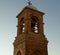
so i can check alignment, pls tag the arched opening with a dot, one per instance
(34, 24)
(18, 53)
(22, 25)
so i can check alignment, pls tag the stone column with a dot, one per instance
(41, 31)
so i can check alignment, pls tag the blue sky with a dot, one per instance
(8, 12)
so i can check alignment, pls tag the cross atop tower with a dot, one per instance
(29, 2)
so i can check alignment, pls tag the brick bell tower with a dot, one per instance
(30, 39)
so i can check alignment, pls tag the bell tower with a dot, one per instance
(30, 39)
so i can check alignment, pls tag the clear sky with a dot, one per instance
(8, 12)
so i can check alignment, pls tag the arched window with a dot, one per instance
(22, 25)
(34, 24)
(18, 53)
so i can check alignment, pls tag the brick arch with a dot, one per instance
(34, 24)
(22, 22)
(18, 53)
